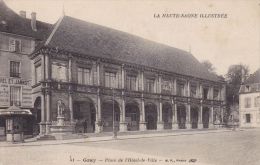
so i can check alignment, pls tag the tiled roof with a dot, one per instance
(253, 78)
(82, 37)
(11, 22)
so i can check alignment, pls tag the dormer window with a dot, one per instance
(247, 89)
(15, 45)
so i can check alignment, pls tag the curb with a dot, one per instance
(108, 138)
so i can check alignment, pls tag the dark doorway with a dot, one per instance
(181, 116)
(151, 117)
(107, 116)
(85, 116)
(167, 115)
(205, 117)
(194, 117)
(132, 117)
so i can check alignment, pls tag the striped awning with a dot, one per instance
(14, 110)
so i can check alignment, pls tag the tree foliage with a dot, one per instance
(234, 78)
(209, 66)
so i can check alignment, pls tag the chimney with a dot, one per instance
(33, 21)
(23, 13)
(243, 77)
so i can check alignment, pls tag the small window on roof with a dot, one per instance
(247, 88)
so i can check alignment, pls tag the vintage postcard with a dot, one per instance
(122, 82)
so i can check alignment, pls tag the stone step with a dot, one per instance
(45, 137)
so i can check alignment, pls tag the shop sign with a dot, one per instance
(8, 80)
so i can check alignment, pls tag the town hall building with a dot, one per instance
(97, 79)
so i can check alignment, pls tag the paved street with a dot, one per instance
(236, 147)
(228, 148)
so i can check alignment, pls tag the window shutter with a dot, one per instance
(12, 45)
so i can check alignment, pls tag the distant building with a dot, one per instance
(18, 38)
(249, 101)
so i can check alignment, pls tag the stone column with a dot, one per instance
(47, 94)
(160, 123)
(222, 114)
(188, 123)
(175, 86)
(211, 120)
(175, 120)
(188, 88)
(142, 123)
(42, 123)
(211, 92)
(200, 91)
(70, 92)
(200, 124)
(48, 109)
(99, 122)
(123, 124)
(47, 67)
(142, 80)
(33, 73)
(160, 84)
(98, 73)
(123, 77)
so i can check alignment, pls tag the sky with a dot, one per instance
(234, 39)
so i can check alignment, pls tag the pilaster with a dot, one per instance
(174, 112)
(142, 123)
(160, 124)
(123, 124)
(200, 124)
(188, 123)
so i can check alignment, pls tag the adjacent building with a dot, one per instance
(18, 38)
(249, 101)
(103, 78)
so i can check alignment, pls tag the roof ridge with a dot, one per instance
(54, 30)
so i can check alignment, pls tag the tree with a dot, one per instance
(234, 78)
(209, 66)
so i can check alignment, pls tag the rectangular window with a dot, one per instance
(205, 93)
(15, 96)
(193, 90)
(166, 86)
(149, 87)
(84, 76)
(131, 83)
(215, 94)
(180, 89)
(14, 45)
(248, 118)
(15, 70)
(257, 101)
(110, 79)
(59, 72)
(38, 74)
(247, 102)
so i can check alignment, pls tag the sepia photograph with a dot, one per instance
(126, 82)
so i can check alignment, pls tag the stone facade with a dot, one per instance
(139, 108)
(249, 101)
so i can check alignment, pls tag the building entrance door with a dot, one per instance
(205, 117)
(181, 116)
(151, 124)
(194, 118)
(151, 116)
